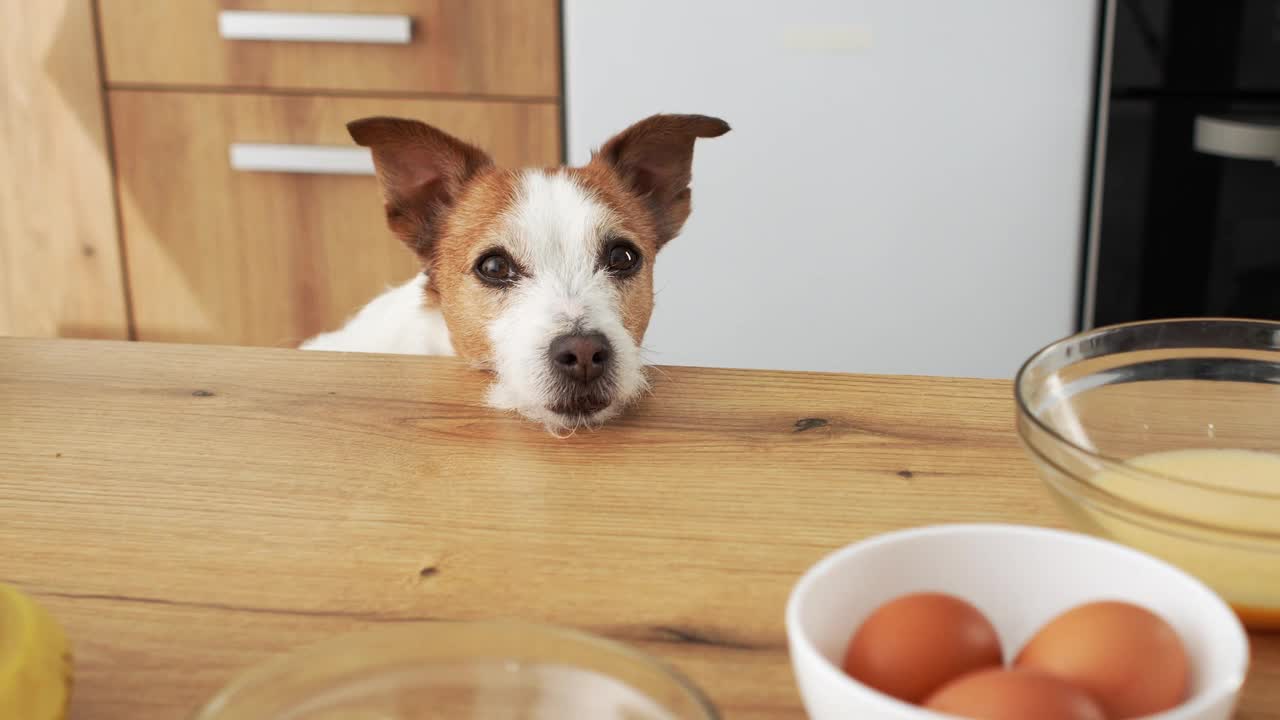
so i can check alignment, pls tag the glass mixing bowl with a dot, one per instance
(1165, 436)
(462, 671)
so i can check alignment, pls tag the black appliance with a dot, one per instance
(1185, 208)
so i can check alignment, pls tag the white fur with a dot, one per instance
(555, 231)
(397, 321)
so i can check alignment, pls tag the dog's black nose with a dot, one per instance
(582, 358)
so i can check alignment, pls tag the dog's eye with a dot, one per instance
(622, 259)
(496, 269)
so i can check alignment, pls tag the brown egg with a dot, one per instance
(914, 644)
(1125, 656)
(999, 694)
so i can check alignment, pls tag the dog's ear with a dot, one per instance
(421, 170)
(654, 158)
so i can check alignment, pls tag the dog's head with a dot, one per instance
(543, 276)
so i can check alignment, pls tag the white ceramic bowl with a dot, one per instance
(1020, 578)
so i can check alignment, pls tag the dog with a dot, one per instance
(542, 276)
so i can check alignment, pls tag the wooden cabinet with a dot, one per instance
(269, 258)
(59, 253)
(484, 47)
(207, 252)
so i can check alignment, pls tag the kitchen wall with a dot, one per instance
(903, 191)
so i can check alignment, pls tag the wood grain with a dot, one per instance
(59, 252)
(220, 256)
(487, 47)
(189, 511)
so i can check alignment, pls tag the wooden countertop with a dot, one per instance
(189, 511)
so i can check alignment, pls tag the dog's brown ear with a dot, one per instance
(421, 170)
(655, 158)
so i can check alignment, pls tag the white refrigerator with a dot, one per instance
(904, 189)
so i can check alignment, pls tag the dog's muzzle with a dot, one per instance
(583, 364)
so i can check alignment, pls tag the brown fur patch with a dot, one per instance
(654, 158)
(421, 170)
(637, 224)
(469, 229)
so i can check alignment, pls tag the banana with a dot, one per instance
(35, 660)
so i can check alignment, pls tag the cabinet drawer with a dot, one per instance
(484, 47)
(217, 255)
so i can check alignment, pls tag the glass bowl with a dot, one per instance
(1165, 436)
(459, 671)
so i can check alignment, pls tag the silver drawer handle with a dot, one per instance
(314, 27)
(1237, 139)
(313, 159)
